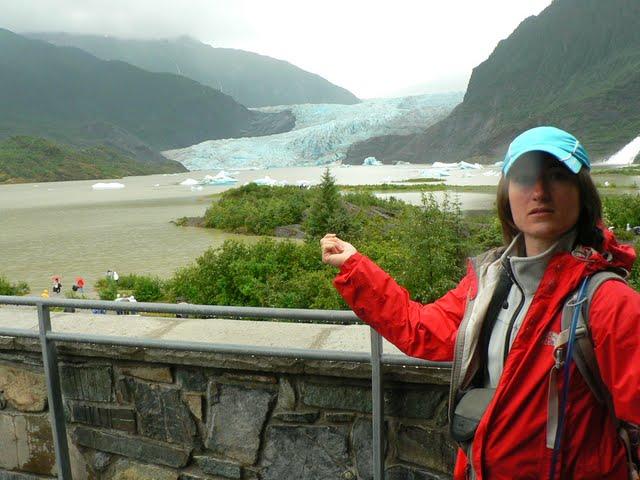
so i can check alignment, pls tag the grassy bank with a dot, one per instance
(31, 159)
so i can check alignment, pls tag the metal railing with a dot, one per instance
(48, 338)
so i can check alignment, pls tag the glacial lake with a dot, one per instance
(70, 229)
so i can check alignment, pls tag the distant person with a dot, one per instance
(57, 285)
(45, 293)
(181, 301)
(520, 407)
(120, 298)
(79, 285)
(132, 299)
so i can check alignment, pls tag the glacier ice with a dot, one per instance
(271, 182)
(372, 161)
(443, 165)
(221, 178)
(322, 134)
(189, 182)
(467, 166)
(107, 186)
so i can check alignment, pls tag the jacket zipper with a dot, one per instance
(512, 321)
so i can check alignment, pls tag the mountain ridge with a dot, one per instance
(254, 80)
(62, 93)
(576, 65)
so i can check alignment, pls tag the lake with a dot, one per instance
(69, 229)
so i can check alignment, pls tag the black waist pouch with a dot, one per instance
(468, 412)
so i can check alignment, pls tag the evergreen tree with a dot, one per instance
(327, 213)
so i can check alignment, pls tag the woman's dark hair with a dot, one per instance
(589, 220)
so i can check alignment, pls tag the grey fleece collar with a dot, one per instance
(528, 271)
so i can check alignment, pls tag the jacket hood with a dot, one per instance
(614, 255)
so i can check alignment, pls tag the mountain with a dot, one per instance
(576, 65)
(30, 159)
(70, 96)
(251, 79)
(322, 135)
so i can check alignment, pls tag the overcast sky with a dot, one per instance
(373, 48)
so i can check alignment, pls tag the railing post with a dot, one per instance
(377, 404)
(54, 392)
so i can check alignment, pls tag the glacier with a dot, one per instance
(322, 134)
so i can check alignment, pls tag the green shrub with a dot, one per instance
(143, 288)
(257, 209)
(485, 232)
(620, 210)
(436, 249)
(8, 288)
(107, 288)
(269, 273)
(284, 274)
(148, 289)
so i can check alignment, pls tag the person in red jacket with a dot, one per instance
(551, 218)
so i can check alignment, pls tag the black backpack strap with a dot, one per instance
(500, 294)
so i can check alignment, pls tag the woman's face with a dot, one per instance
(545, 201)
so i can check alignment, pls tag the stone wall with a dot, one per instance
(136, 413)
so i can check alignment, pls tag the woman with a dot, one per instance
(510, 305)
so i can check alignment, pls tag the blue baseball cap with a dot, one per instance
(562, 145)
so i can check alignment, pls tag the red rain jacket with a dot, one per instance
(510, 441)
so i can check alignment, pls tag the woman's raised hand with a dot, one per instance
(334, 250)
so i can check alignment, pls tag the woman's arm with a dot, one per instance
(424, 331)
(614, 319)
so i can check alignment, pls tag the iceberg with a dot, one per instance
(222, 178)
(266, 180)
(462, 165)
(107, 186)
(443, 165)
(372, 161)
(433, 173)
(189, 182)
(468, 166)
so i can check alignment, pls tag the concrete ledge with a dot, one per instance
(323, 337)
